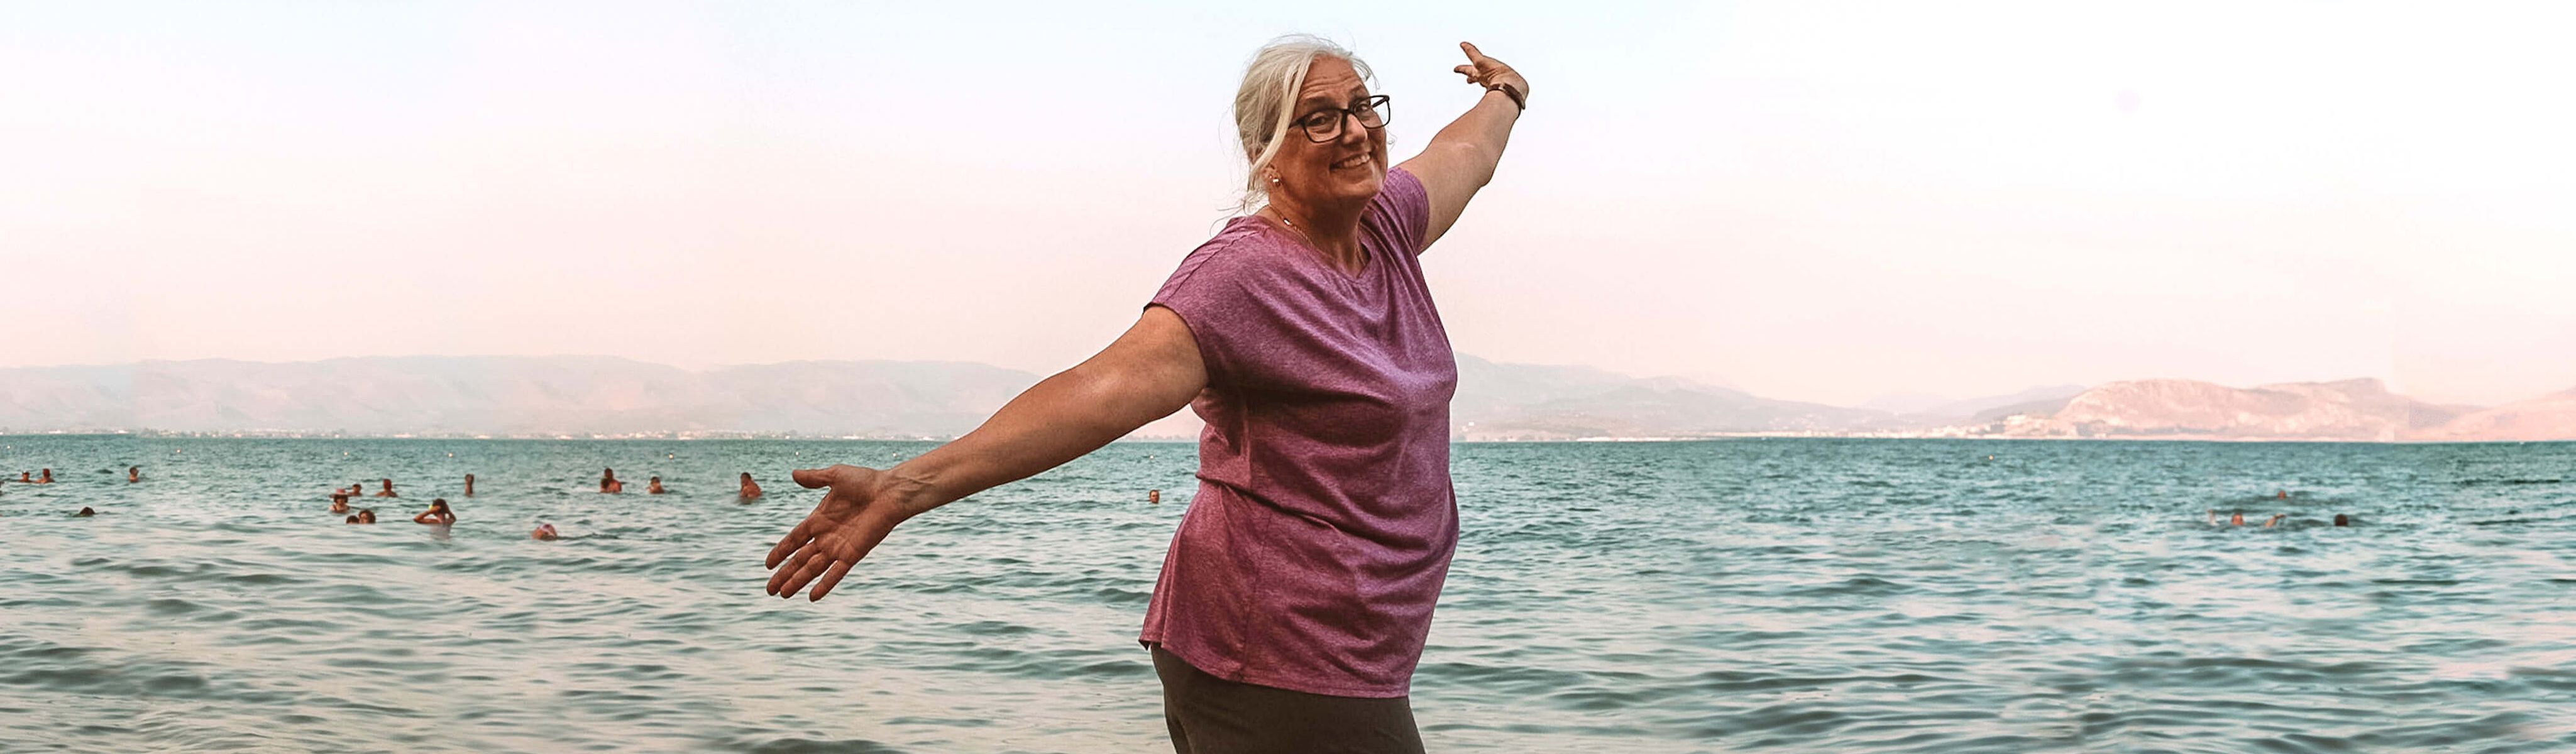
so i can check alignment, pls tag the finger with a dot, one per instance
(805, 574)
(812, 479)
(1468, 71)
(781, 577)
(831, 577)
(796, 538)
(1472, 52)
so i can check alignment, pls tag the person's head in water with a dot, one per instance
(653, 486)
(85, 511)
(364, 516)
(437, 513)
(545, 532)
(2341, 521)
(133, 474)
(46, 478)
(749, 488)
(339, 503)
(2281, 495)
(2236, 520)
(1154, 497)
(469, 485)
(388, 490)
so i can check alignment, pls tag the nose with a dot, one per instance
(1353, 132)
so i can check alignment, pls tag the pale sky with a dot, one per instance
(1805, 200)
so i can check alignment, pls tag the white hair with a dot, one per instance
(1265, 104)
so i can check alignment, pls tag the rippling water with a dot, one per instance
(1788, 595)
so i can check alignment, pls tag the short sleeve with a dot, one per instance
(1242, 308)
(1401, 213)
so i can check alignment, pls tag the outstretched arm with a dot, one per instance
(1150, 372)
(1461, 158)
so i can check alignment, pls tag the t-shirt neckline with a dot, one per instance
(1368, 260)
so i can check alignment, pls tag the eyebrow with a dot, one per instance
(1357, 94)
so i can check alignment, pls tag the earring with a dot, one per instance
(1274, 179)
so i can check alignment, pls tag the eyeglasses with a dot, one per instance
(1326, 124)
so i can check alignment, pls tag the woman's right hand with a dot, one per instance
(860, 508)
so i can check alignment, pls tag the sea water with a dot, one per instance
(1734, 595)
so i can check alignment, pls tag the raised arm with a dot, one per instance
(1150, 372)
(1461, 158)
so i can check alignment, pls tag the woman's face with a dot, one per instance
(1349, 169)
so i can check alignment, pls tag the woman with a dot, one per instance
(1305, 336)
(363, 516)
(339, 503)
(437, 513)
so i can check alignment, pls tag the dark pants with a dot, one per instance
(1211, 715)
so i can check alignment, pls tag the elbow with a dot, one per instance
(1480, 161)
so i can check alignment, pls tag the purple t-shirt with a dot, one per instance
(1324, 520)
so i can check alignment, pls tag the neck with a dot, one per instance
(1335, 233)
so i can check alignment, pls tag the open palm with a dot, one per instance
(856, 513)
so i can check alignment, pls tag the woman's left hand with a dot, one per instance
(1488, 72)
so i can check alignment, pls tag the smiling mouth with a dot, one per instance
(1353, 161)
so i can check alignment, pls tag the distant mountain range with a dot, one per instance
(2350, 410)
(585, 396)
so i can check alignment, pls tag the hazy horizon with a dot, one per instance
(1821, 202)
(1895, 403)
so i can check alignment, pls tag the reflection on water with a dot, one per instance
(1791, 595)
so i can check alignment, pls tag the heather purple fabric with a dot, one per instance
(1324, 520)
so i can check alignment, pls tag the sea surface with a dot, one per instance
(1785, 595)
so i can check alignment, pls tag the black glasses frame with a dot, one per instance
(1376, 105)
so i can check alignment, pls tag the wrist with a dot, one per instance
(911, 491)
(1520, 100)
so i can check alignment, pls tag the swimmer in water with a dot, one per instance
(750, 489)
(1154, 497)
(364, 516)
(608, 482)
(339, 503)
(388, 491)
(437, 513)
(469, 485)
(2238, 518)
(2281, 495)
(545, 532)
(45, 478)
(85, 512)
(2341, 521)
(26, 477)
(653, 486)
(133, 474)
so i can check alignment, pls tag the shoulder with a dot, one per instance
(1401, 213)
(1403, 187)
(1244, 255)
